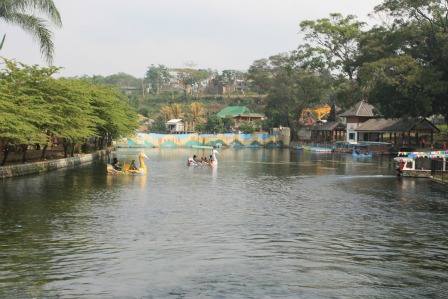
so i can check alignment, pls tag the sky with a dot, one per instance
(105, 37)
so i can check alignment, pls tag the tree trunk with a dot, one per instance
(42, 157)
(24, 150)
(65, 146)
(5, 154)
(72, 151)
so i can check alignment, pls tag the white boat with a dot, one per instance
(212, 162)
(417, 164)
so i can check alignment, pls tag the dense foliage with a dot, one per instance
(35, 108)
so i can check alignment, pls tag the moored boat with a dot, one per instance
(374, 147)
(343, 147)
(417, 164)
(316, 149)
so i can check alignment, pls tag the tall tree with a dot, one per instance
(290, 88)
(167, 113)
(191, 79)
(177, 111)
(197, 112)
(20, 12)
(172, 111)
(413, 30)
(335, 39)
(158, 77)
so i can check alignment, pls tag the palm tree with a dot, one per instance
(197, 112)
(17, 12)
(166, 112)
(177, 111)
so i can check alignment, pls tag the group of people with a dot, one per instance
(117, 166)
(202, 160)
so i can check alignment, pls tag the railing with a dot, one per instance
(439, 169)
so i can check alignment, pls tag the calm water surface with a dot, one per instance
(267, 223)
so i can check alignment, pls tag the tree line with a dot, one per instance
(399, 65)
(37, 109)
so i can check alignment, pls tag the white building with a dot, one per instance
(176, 125)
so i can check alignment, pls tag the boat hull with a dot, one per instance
(414, 173)
(362, 155)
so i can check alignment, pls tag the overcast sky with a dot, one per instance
(105, 37)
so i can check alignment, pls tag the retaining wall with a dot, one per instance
(41, 166)
(188, 140)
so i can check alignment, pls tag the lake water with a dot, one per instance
(266, 223)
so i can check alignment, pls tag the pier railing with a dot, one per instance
(439, 169)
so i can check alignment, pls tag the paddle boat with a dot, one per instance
(212, 162)
(417, 164)
(126, 169)
(361, 153)
(342, 147)
(315, 149)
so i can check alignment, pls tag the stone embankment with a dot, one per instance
(41, 166)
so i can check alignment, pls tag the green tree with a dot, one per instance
(335, 40)
(200, 127)
(229, 123)
(399, 87)
(227, 78)
(158, 77)
(412, 46)
(290, 88)
(35, 106)
(191, 79)
(215, 124)
(17, 12)
(110, 106)
(159, 126)
(247, 128)
(122, 79)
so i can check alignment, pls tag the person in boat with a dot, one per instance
(116, 164)
(133, 166)
(193, 159)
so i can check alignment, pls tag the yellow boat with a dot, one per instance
(126, 169)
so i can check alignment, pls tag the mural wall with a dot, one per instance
(188, 140)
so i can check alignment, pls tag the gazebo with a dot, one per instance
(328, 132)
(396, 131)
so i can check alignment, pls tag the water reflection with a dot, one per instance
(264, 223)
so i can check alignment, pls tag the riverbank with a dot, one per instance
(14, 170)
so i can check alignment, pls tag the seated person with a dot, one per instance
(193, 159)
(133, 166)
(116, 164)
